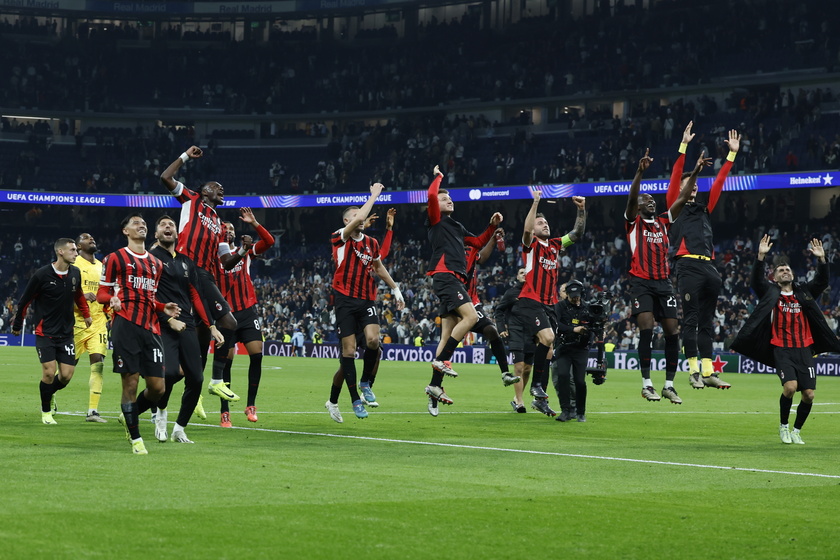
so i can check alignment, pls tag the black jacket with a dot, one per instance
(504, 307)
(753, 340)
(570, 316)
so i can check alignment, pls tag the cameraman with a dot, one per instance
(571, 353)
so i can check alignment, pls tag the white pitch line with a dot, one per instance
(524, 451)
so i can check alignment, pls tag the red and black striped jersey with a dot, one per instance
(236, 284)
(790, 328)
(199, 229)
(54, 294)
(542, 267)
(353, 261)
(649, 246)
(137, 278)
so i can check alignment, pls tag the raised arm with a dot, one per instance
(434, 204)
(820, 281)
(266, 239)
(677, 169)
(385, 249)
(531, 218)
(580, 222)
(167, 177)
(632, 209)
(487, 250)
(487, 235)
(758, 280)
(685, 193)
(362, 214)
(734, 142)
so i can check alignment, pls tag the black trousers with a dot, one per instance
(567, 371)
(698, 283)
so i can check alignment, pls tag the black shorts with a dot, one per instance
(796, 364)
(532, 317)
(136, 350)
(483, 321)
(451, 292)
(353, 315)
(653, 296)
(61, 350)
(181, 349)
(247, 325)
(209, 292)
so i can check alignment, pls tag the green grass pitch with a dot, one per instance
(708, 479)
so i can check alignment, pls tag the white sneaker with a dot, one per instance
(180, 437)
(784, 433)
(160, 425)
(334, 412)
(433, 406)
(796, 438)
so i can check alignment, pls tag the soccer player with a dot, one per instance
(93, 340)
(200, 237)
(535, 309)
(448, 269)
(366, 384)
(181, 353)
(484, 326)
(512, 330)
(238, 288)
(129, 281)
(785, 330)
(356, 256)
(53, 289)
(650, 286)
(698, 280)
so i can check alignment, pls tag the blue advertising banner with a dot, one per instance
(736, 183)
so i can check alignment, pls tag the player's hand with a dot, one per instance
(115, 304)
(90, 296)
(536, 193)
(370, 220)
(496, 219)
(504, 334)
(500, 232)
(437, 171)
(400, 302)
(389, 218)
(646, 160)
(688, 136)
(817, 248)
(218, 337)
(172, 309)
(580, 201)
(88, 322)
(247, 242)
(703, 161)
(734, 141)
(764, 245)
(194, 152)
(376, 189)
(247, 216)
(176, 325)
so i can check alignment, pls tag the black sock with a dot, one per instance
(46, 391)
(802, 412)
(57, 385)
(672, 355)
(143, 403)
(370, 358)
(498, 348)
(376, 367)
(448, 350)
(784, 408)
(219, 364)
(224, 406)
(539, 375)
(437, 378)
(335, 391)
(349, 367)
(163, 402)
(254, 376)
(131, 416)
(645, 336)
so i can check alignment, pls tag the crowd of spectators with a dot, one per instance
(629, 49)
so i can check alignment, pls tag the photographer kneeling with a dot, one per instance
(575, 326)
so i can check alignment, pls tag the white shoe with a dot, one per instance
(784, 434)
(180, 437)
(334, 412)
(160, 425)
(796, 438)
(433, 407)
